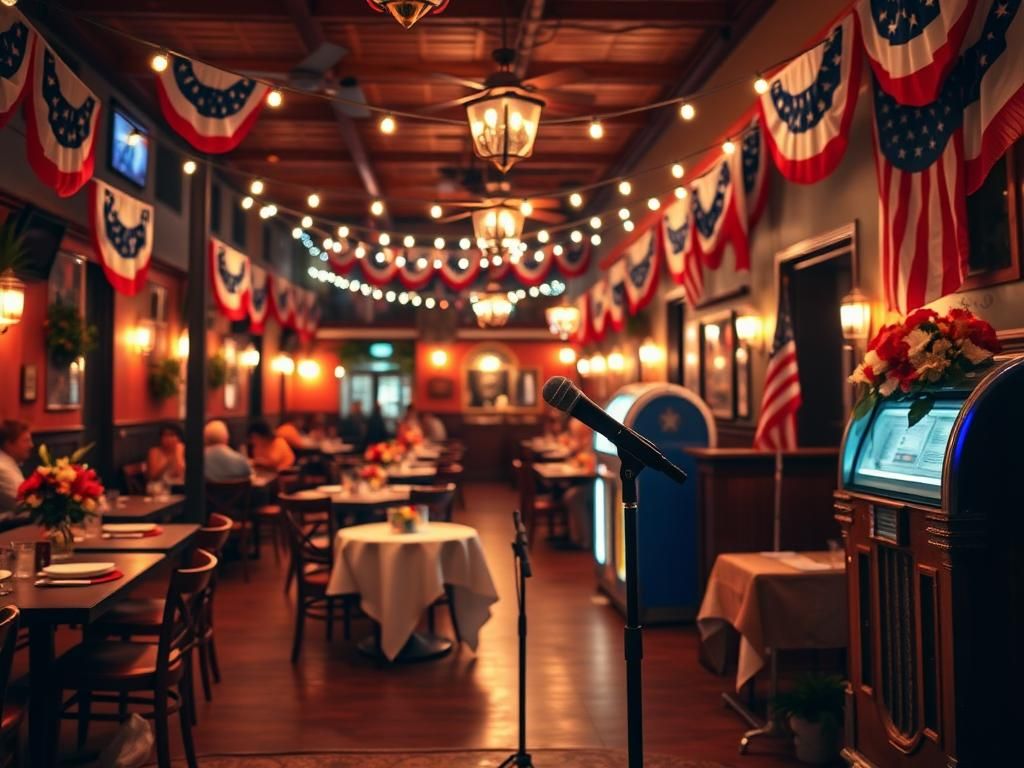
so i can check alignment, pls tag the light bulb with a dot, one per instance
(761, 85)
(256, 187)
(384, 239)
(313, 201)
(595, 239)
(625, 187)
(430, 302)
(576, 200)
(538, 256)
(435, 211)
(463, 263)
(158, 63)
(438, 264)
(526, 208)
(247, 202)
(595, 222)
(337, 246)
(409, 241)
(678, 171)
(360, 251)
(687, 111)
(557, 249)
(465, 243)
(653, 203)
(274, 98)
(439, 243)
(728, 147)
(576, 236)
(628, 225)
(388, 125)
(342, 231)
(680, 193)
(596, 130)
(189, 167)
(307, 222)
(377, 207)
(328, 243)
(543, 236)
(297, 233)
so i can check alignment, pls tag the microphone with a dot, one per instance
(562, 394)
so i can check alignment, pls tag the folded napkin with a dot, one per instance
(50, 582)
(135, 534)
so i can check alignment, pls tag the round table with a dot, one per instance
(398, 576)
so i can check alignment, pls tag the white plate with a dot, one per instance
(128, 527)
(78, 570)
(329, 488)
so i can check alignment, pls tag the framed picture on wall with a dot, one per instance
(64, 374)
(718, 364)
(29, 383)
(526, 387)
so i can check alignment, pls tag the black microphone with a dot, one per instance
(562, 394)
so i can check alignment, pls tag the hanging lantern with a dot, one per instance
(503, 122)
(855, 316)
(498, 229)
(563, 320)
(408, 12)
(493, 308)
(12, 299)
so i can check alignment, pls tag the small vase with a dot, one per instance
(62, 543)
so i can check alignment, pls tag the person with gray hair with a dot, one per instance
(223, 463)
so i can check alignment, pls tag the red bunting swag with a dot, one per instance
(809, 106)
(211, 109)
(574, 258)
(529, 271)
(379, 267)
(680, 254)
(231, 280)
(458, 271)
(418, 268)
(719, 214)
(122, 234)
(642, 265)
(61, 116)
(281, 302)
(259, 299)
(17, 38)
(912, 45)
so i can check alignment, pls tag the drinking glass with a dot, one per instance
(93, 524)
(113, 498)
(6, 569)
(24, 559)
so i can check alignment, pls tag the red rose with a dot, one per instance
(31, 483)
(919, 317)
(889, 344)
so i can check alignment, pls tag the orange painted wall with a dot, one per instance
(541, 355)
(320, 394)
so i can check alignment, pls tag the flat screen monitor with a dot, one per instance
(906, 461)
(129, 147)
(617, 409)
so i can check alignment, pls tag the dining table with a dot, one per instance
(170, 539)
(361, 503)
(399, 576)
(554, 472)
(139, 509)
(43, 609)
(411, 474)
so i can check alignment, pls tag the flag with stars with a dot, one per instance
(282, 301)
(261, 283)
(912, 45)
(231, 278)
(211, 109)
(809, 106)
(17, 38)
(922, 165)
(641, 264)
(719, 213)
(598, 309)
(680, 256)
(572, 259)
(754, 161)
(122, 235)
(309, 316)
(61, 117)
(780, 402)
(616, 296)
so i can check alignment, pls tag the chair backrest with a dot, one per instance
(437, 498)
(9, 619)
(183, 609)
(134, 478)
(305, 503)
(214, 535)
(230, 498)
(450, 472)
(304, 551)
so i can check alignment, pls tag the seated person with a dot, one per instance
(222, 462)
(353, 426)
(166, 460)
(433, 428)
(579, 499)
(289, 432)
(268, 450)
(376, 429)
(315, 427)
(15, 450)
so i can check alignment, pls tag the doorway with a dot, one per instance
(819, 273)
(392, 390)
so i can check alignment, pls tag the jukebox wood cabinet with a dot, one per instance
(932, 520)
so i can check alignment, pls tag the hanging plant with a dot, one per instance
(68, 337)
(12, 247)
(164, 378)
(216, 371)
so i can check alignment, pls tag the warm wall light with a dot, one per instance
(855, 316)
(488, 363)
(583, 366)
(439, 358)
(598, 365)
(567, 355)
(616, 361)
(749, 329)
(339, 371)
(250, 357)
(309, 368)
(142, 338)
(12, 299)
(182, 345)
(283, 364)
(650, 353)
(563, 320)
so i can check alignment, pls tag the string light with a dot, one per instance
(558, 250)
(728, 147)
(687, 111)
(653, 203)
(628, 225)
(343, 232)
(297, 233)
(437, 264)
(268, 211)
(526, 208)
(409, 241)
(435, 211)
(360, 251)
(377, 207)
(247, 202)
(256, 187)
(379, 257)
(400, 261)
(275, 99)
(313, 201)
(576, 236)
(484, 263)
(384, 239)
(761, 85)
(538, 256)
(463, 263)
(430, 302)
(576, 200)
(595, 239)
(595, 222)
(387, 125)
(625, 188)
(596, 130)
(337, 247)
(328, 243)
(439, 243)
(189, 167)
(159, 62)
(465, 243)
(680, 193)
(307, 222)
(543, 236)
(678, 171)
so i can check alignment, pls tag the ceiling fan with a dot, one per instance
(314, 74)
(491, 187)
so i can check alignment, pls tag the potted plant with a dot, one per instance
(814, 710)
(68, 337)
(59, 494)
(216, 371)
(164, 378)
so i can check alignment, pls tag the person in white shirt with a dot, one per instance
(433, 428)
(222, 463)
(15, 449)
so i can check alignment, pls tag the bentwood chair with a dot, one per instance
(533, 504)
(438, 501)
(158, 676)
(233, 499)
(452, 472)
(312, 509)
(11, 713)
(134, 478)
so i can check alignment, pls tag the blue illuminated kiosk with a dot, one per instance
(673, 418)
(933, 521)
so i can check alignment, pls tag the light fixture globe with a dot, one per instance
(855, 316)
(497, 229)
(563, 320)
(408, 12)
(12, 299)
(492, 308)
(503, 124)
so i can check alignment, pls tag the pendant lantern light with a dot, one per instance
(408, 12)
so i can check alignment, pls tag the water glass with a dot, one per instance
(113, 498)
(6, 570)
(93, 524)
(24, 559)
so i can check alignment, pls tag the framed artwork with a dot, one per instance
(526, 388)
(490, 379)
(231, 376)
(29, 383)
(440, 388)
(64, 378)
(718, 364)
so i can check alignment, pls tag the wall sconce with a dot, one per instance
(488, 363)
(143, 338)
(598, 365)
(439, 358)
(250, 357)
(339, 371)
(308, 368)
(583, 366)
(12, 299)
(181, 346)
(650, 353)
(855, 316)
(567, 355)
(616, 361)
(283, 364)
(750, 329)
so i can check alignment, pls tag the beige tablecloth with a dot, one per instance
(774, 600)
(398, 576)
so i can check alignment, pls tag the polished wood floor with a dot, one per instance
(337, 699)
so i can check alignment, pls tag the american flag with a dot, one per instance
(776, 427)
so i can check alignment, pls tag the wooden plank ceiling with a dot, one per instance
(631, 51)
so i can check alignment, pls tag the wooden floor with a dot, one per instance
(337, 699)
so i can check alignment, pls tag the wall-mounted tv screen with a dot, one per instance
(129, 147)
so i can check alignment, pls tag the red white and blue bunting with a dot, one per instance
(681, 257)
(809, 106)
(573, 259)
(122, 234)
(529, 271)
(719, 213)
(912, 45)
(282, 303)
(641, 263)
(598, 309)
(380, 272)
(17, 38)
(418, 269)
(259, 298)
(211, 109)
(756, 173)
(61, 117)
(231, 279)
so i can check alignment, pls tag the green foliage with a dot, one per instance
(814, 698)
(12, 246)
(216, 371)
(164, 378)
(865, 403)
(920, 408)
(68, 337)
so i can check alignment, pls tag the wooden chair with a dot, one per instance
(11, 713)
(232, 499)
(436, 498)
(107, 671)
(533, 504)
(313, 511)
(452, 472)
(135, 478)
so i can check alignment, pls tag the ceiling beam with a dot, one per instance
(321, 156)
(533, 12)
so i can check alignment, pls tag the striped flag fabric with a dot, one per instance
(776, 426)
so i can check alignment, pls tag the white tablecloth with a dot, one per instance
(398, 576)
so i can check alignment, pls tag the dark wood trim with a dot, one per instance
(1014, 159)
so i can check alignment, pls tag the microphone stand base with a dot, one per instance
(518, 760)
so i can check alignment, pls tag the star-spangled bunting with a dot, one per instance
(17, 38)
(230, 278)
(680, 255)
(281, 296)
(809, 106)
(122, 236)
(719, 213)
(259, 298)
(754, 161)
(616, 296)
(641, 264)
(598, 309)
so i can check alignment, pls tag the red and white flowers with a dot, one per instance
(927, 350)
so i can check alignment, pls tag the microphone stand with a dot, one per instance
(521, 550)
(634, 640)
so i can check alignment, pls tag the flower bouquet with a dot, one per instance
(908, 360)
(381, 453)
(59, 494)
(404, 519)
(375, 475)
(410, 437)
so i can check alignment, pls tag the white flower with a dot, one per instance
(888, 386)
(878, 365)
(932, 367)
(973, 352)
(918, 341)
(858, 376)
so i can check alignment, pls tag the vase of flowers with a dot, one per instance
(58, 494)
(405, 519)
(410, 437)
(374, 475)
(382, 453)
(908, 361)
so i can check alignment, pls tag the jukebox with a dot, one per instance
(932, 517)
(673, 418)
